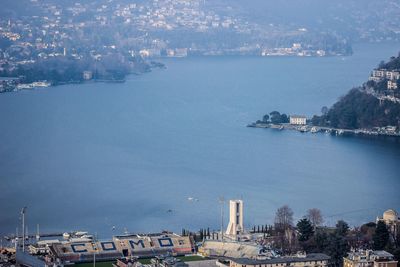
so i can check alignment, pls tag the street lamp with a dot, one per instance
(222, 201)
(23, 211)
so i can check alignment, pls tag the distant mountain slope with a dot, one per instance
(370, 20)
(373, 20)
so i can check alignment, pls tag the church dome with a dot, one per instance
(390, 215)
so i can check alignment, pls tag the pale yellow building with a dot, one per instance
(369, 258)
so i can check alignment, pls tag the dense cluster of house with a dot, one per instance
(392, 77)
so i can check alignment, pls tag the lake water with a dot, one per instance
(99, 155)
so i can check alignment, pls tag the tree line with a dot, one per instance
(274, 117)
(357, 110)
(67, 69)
(309, 235)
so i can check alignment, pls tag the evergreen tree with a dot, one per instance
(337, 248)
(381, 236)
(321, 241)
(305, 229)
(342, 228)
(265, 118)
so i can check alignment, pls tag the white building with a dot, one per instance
(306, 260)
(392, 75)
(235, 226)
(87, 75)
(391, 85)
(374, 78)
(379, 73)
(298, 120)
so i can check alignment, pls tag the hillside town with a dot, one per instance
(136, 27)
(55, 42)
(385, 84)
(372, 109)
(308, 243)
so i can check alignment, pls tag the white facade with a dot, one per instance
(298, 120)
(87, 75)
(380, 74)
(392, 75)
(235, 226)
(391, 85)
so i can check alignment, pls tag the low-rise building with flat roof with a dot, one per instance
(369, 258)
(303, 260)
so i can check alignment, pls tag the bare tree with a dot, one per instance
(283, 218)
(315, 217)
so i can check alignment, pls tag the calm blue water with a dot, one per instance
(99, 155)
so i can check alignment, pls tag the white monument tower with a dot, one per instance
(235, 226)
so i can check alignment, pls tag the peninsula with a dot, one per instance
(370, 109)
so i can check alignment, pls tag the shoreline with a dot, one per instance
(327, 130)
(29, 87)
(15, 84)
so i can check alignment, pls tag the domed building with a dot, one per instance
(392, 221)
(390, 216)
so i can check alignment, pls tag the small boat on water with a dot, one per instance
(314, 129)
(303, 129)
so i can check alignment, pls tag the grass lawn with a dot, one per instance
(144, 261)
